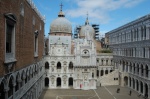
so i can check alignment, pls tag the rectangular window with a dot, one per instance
(9, 33)
(36, 43)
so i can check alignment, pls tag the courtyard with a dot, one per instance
(104, 92)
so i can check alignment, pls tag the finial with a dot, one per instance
(87, 15)
(61, 14)
(87, 21)
(61, 5)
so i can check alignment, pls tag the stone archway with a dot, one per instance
(58, 65)
(141, 87)
(2, 93)
(58, 82)
(137, 85)
(106, 72)
(46, 82)
(46, 65)
(102, 72)
(70, 81)
(146, 90)
(125, 81)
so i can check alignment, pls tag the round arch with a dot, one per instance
(70, 81)
(125, 81)
(102, 72)
(146, 89)
(46, 82)
(10, 85)
(70, 65)
(106, 71)
(46, 65)
(141, 87)
(2, 96)
(58, 65)
(58, 82)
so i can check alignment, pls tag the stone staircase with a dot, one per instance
(109, 79)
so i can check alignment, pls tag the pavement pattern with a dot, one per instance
(104, 92)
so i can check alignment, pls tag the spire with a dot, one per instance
(87, 21)
(61, 14)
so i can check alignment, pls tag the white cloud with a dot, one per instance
(98, 9)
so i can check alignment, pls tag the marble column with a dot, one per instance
(147, 32)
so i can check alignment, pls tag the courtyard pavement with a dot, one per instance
(104, 92)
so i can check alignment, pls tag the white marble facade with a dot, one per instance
(131, 50)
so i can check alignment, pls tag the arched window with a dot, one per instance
(10, 91)
(46, 82)
(70, 81)
(17, 82)
(70, 65)
(106, 71)
(58, 82)
(102, 72)
(97, 73)
(142, 70)
(92, 75)
(146, 68)
(58, 65)
(46, 65)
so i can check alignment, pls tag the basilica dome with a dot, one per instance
(86, 30)
(61, 24)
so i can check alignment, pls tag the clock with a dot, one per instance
(59, 50)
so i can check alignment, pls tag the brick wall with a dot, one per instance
(24, 34)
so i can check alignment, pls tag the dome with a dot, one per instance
(61, 24)
(86, 29)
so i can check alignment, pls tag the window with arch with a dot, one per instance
(92, 75)
(2, 92)
(58, 65)
(46, 65)
(70, 65)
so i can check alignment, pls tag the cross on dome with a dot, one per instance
(61, 5)
(87, 21)
(61, 14)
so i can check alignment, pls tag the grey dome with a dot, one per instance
(61, 24)
(86, 29)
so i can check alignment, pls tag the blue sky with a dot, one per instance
(110, 14)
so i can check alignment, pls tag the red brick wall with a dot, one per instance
(24, 35)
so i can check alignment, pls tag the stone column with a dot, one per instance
(139, 31)
(148, 91)
(136, 69)
(147, 32)
(143, 88)
(139, 87)
(99, 73)
(131, 83)
(128, 82)
(146, 52)
(144, 73)
(14, 90)
(140, 70)
(135, 85)
(6, 92)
